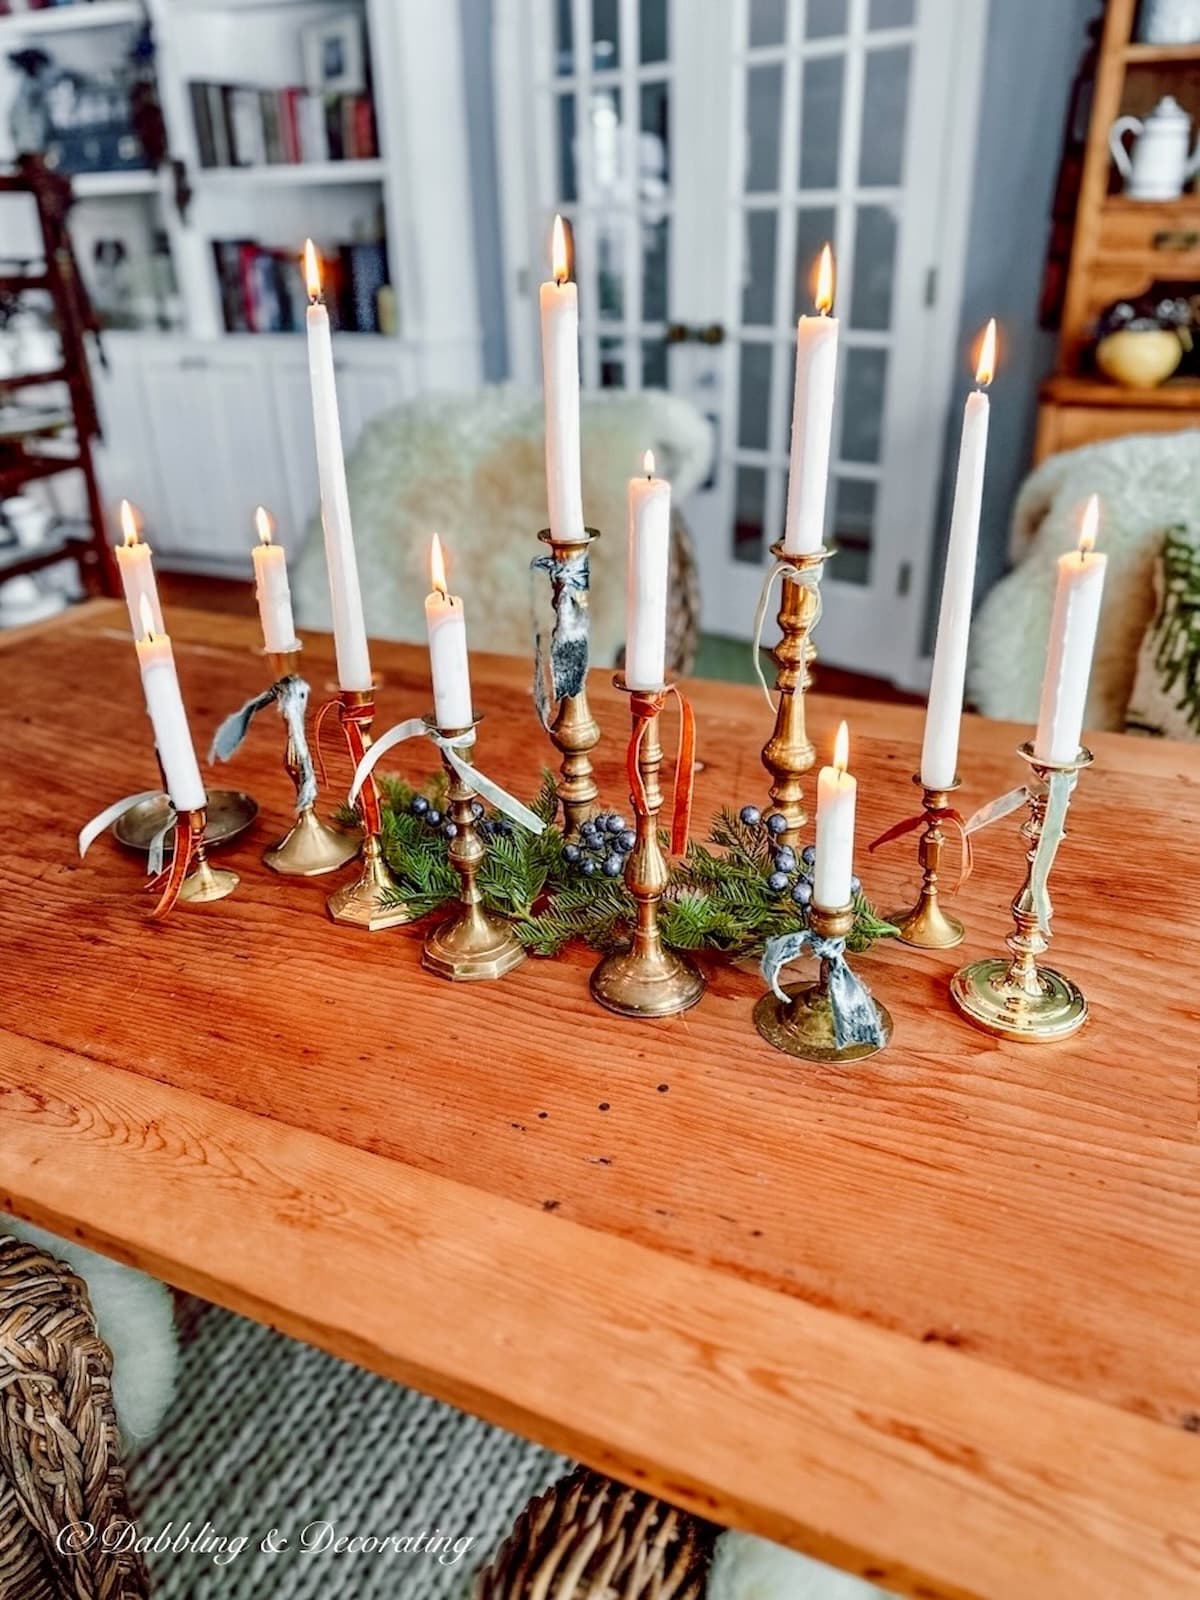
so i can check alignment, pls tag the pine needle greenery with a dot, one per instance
(718, 899)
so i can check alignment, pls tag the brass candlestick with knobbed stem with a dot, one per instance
(472, 944)
(1016, 997)
(647, 979)
(311, 846)
(788, 753)
(574, 731)
(925, 924)
(365, 903)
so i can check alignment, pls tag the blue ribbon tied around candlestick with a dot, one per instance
(1059, 788)
(810, 576)
(569, 579)
(450, 745)
(290, 694)
(855, 1016)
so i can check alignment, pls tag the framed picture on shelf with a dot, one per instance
(335, 55)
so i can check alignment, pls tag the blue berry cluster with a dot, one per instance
(603, 846)
(790, 875)
(435, 819)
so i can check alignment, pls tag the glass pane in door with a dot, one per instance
(821, 121)
(764, 102)
(885, 95)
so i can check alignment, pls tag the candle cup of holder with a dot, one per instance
(1014, 996)
(788, 753)
(311, 846)
(925, 924)
(803, 1025)
(471, 945)
(204, 882)
(647, 979)
(574, 731)
(362, 903)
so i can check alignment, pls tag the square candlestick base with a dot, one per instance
(361, 904)
(472, 947)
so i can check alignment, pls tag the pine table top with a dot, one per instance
(935, 1318)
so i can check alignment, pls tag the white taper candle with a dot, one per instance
(649, 560)
(1076, 617)
(837, 794)
(812, 420)
(136, 566)
(167, 716)
(558, 303)
(272, 589)
(446, 623)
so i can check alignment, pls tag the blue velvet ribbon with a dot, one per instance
(291, 696)
(569, 579)
(855, 1018)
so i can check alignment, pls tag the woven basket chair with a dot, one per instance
(60, 1460)
(588, 1538)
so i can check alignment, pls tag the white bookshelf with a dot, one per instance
(175, 398)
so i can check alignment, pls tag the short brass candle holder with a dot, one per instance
(472, 945)
(574, 731)
(647, 979)
(311, 846)
(204, 882)
(926, 925)
(803, 1025)
(1016, 997)
(364, 903)
(788, 753)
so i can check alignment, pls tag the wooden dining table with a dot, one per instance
(934, 1317)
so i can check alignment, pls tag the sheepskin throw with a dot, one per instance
(1146, 483)
(745, 1568)
(1166, 691)
(472, 469)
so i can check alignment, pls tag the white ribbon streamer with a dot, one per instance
(113, 813)
(416, 728)
(781, 569)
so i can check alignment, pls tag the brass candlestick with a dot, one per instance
(1017, 998)
(362, 903)
(204, 882)
(472, 944)
(574, 731)
(647, 979)
(788, 753)
(804, 1026)
(311, 846)
(925, 924)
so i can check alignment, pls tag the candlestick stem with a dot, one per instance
(311, 846)
(926, 925)
(788, 753)
(574, 732)
(472, 945)
(204, 882)
(1016, 997)
(365, 903)
(803, 1025)
(646, 979)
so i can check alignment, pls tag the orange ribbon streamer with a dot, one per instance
(938, 814)
(355, 720)
(170, 879)
(685, 763)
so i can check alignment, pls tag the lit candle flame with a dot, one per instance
(824, 294)
(648, 463)
(146, 618)
(985, 369)
(841, 748)
(1089, 525)
(262, 521)
(312, 270)
(129, 523)
(438, 566)
(560, 254)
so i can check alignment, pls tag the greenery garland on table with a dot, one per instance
(731, 894)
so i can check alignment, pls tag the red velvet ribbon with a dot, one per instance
(170, 879)
(355, 720)
(685, 762)
(938, 814)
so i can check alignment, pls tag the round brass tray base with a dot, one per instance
(228, 814)
(984, 998)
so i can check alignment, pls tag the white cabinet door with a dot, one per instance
(126, 466)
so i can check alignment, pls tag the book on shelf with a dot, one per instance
(262, 290)
(240, 126)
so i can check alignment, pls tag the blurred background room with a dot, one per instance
(955, 153)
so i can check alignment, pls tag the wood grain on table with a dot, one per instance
(935, 1317)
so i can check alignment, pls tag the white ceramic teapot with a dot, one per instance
(1161, 163)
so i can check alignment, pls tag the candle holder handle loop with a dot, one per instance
(926, 925)
(788, 754)
(573, 729)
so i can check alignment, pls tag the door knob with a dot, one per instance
(713, 334)
(677, 333)
(680, 333)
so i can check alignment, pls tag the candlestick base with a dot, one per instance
(636, 983)
(312, 847)
(926, 926)
(471, 947)
(205, 883)
(804, 1027)
(363, 903)
(988, 996)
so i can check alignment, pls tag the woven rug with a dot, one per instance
(267, 1434)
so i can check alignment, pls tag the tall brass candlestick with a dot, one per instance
(647, 979)
(204, 882)
(574, 731)
(311, 846)
(788, 753)
(925, 924)
(472, 944)
(1016, 997)
(362, 903)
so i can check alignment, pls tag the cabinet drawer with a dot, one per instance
(1165, 239)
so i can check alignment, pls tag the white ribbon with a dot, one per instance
(781, 569)
(113, 813)
(416, 728)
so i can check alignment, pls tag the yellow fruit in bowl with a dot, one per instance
(1139, 358)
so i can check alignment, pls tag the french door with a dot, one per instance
(704, 150)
